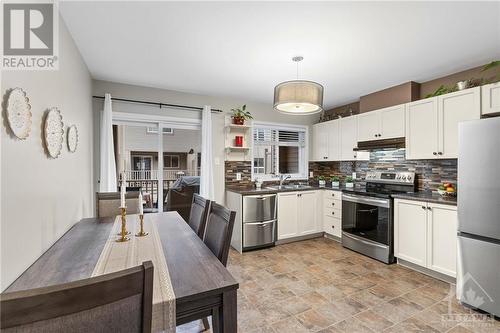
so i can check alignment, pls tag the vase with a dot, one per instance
(350, 185)
(238, 141)
(322, 183)
(238, 120)
(335, 184)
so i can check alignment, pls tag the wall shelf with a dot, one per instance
(234, 153)
(234, 148)
(238, 127)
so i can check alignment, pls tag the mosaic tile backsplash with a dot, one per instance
(430, 173)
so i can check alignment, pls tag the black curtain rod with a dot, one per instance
(158, 104)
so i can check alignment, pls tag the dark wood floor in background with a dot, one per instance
(318, 286)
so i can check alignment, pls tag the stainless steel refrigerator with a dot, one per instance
(478, 273)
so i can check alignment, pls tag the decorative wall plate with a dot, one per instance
(19, 113)
(54, 132)
(72, 138)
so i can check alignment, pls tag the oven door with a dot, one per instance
(367, 217)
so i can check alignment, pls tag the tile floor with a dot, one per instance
(318, 286)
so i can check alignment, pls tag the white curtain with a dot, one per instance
(207, 171)
(108, 166)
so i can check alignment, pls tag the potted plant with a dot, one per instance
(239, 115)
(335, 181)
(322, 181)
(349, 182)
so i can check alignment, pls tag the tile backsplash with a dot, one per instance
(430, 173)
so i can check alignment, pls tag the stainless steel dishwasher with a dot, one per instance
(259, 221)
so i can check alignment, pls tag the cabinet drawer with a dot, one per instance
(332, 212)
(333, 195)
(332, 203)
(332, 225)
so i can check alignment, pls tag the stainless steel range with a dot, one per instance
(367, 213)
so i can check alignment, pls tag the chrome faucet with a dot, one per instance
(284, 177)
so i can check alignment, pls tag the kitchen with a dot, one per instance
(397, 198)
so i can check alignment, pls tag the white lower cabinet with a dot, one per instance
(332, 212)
(297, 214)
(425, 234)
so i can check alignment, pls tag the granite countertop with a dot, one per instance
(418, 196)
(427, 196)
(266, 190)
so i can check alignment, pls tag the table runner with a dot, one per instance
(117, 256)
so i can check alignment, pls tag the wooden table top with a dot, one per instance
(194, 270)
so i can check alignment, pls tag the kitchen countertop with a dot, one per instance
(427, 196)
(418, 196)
(266, 190)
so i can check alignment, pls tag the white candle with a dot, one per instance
(141, 208)
(122, 195)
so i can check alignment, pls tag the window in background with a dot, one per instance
(279, 150)
(171, 161)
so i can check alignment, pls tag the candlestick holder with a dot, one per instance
(141, 233)
(123, 233)
(123, 211)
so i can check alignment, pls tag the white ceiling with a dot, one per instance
(243, 49)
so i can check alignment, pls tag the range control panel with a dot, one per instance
(390, 177)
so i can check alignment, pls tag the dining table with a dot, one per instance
(202, 286)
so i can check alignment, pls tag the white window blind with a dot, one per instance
(279, 150)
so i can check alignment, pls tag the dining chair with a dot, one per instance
(108, 203)
(219, 230)
(198, 214)
(118, 302)
(218, 233)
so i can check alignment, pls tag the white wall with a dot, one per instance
(261, 112)
(42, 197)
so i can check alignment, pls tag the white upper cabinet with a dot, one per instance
(326, 141)
(320, 142)
(422, 129)
(334, 140)
(455, 108)
(387, 123)
(432, 123)
(349, 140)
(368, 126)
(392, 122)
(490, 99)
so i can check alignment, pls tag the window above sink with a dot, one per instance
(279, 149)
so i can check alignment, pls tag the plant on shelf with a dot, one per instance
(321, 181)
(349, 182)
(335, 181)
(441, 91)
(239, 115)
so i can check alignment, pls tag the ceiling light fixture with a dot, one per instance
(299, 97)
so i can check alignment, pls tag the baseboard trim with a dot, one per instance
(426, 271)
(299, 238)
(332, 237)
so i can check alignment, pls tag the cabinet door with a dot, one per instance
(442, 239)
(410, 231)
(490, 99)
(369, 126)
(392, 122)
(453, 109)
(422, 129)
(348, 138)
(287, 215)
(333, 129)
(320, 142)
(307, 210)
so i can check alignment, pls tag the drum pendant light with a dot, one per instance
(298, 97)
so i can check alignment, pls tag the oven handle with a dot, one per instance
(365, 200)
(359, 239)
